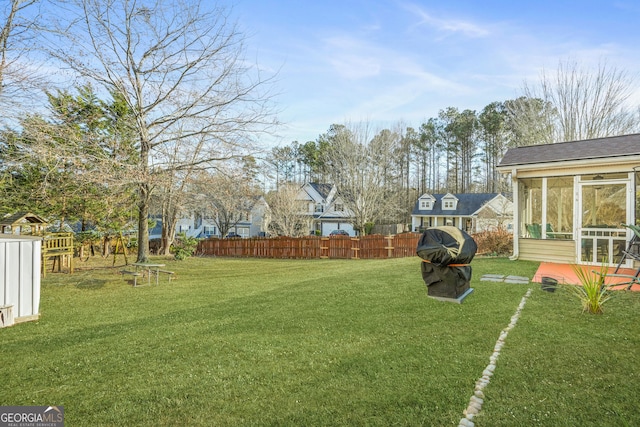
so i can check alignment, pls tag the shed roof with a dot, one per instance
(19, 218)
(613, 146)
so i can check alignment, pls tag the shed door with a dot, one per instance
(603, 208)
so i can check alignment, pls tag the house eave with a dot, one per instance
(619, 163)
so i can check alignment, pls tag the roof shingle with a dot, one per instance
(614, 146)
(468, 203)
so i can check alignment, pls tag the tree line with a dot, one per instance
(381, 173)
(152, 111)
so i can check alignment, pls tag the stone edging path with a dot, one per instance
(476, 401)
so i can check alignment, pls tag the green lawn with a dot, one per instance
(318, 343)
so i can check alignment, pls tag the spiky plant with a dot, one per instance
(592, 291)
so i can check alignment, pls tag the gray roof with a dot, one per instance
(613, 146)
(468, 203)
(322, 189)
(22, 217)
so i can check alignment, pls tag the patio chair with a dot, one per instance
(550, 232)
(534, 230)
(633, 249)
(628, 282)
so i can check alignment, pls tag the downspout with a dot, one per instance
(516, 215)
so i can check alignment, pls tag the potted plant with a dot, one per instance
(549, 284)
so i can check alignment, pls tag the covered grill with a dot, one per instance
(446, 253)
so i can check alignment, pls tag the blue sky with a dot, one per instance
(390, 62)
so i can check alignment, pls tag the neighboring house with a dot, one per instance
(325, 209)
(573, 197)
(469, 212)
(196, 225)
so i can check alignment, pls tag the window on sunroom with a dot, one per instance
(555, 210)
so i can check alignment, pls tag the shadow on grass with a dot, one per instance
(91, 284)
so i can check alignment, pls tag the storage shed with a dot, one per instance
(20, 258)
(22, 223)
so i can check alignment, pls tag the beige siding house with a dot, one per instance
(572, 199)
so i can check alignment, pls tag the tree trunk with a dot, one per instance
(169, 222)
(106, 246)
(143, 223)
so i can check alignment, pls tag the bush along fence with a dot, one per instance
(308, 247)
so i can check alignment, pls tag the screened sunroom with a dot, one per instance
(573, 199)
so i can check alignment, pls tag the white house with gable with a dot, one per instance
(325, 209)
(470, 212)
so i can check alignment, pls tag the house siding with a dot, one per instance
(559, 251)
(601, 156)
(325, 209)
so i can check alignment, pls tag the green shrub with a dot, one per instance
(368, 228)
(183, 247)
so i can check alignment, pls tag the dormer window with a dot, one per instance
(449, 202)
(426, 202)
(426, 205)
(319, 207)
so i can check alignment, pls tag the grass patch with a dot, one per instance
(563, 367)
(315, 342)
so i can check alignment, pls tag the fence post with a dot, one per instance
(324, 247)
(389, 246)
(355, 248)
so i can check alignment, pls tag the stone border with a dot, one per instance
(476, 401)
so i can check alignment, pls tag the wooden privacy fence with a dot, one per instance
(308, 247)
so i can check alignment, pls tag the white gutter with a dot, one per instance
(516, 215)
(618, 162)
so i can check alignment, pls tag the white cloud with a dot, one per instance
(406, 63)
(448, 26)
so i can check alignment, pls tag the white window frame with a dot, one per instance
(426, 205)
(448, 204)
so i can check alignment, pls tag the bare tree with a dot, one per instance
(180, 68)
(529, 121)
(225, 197)
(287, 216)
(587, 103)
(18, 37)
(172, 200)
(358, 165)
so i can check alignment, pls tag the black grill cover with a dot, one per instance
(440, 247)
